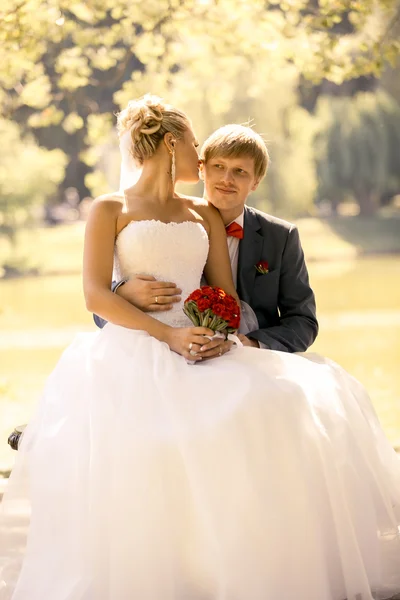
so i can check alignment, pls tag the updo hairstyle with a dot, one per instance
(148, 119)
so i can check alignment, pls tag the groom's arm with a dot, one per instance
(114, 287)
(298, 326)
(146, 293)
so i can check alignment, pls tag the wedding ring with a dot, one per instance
(190, 346)
(156, 299)
(193, 353)
(220, 351)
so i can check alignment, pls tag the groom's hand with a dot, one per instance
(215, 348)
(248, 341)
(148, 294)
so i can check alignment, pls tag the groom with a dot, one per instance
(266, 256)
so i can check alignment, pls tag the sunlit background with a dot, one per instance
(319, 79)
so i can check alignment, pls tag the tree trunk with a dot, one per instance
(334, 205)
(75, 175)
(367, 202)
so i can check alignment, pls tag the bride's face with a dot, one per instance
(187, 158)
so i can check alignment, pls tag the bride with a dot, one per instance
(254, 476)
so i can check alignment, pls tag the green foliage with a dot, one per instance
(293, 166)
(49, 49)
(28, 176)
(357, 149)
(65, 64)
(97, 183)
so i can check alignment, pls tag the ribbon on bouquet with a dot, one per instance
(234, 338)
(231, 337)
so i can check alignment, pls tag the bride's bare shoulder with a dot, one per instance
(112, 204)
(192, 201)
(206, 213)
(201, 206)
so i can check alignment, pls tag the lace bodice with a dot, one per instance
(174, 252)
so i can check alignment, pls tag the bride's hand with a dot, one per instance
(188, 340)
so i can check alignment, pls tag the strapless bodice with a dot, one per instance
(175, 252)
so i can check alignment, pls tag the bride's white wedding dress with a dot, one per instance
(259, 475)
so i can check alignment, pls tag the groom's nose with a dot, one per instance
(227, 176)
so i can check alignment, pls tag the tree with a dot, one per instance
(63, 61)
(357, 149)
(29, 175)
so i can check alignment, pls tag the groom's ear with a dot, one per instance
(201, 169)
(255, 185)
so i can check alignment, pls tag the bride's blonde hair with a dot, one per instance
(148, 119)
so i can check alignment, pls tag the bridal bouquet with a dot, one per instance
(211, 307)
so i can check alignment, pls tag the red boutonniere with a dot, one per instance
(262, 267)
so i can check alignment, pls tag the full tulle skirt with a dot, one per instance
(259, 475)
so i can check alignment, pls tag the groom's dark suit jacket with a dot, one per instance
(282, 299)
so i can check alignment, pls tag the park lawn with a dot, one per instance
(59, 249)
(49, 249)
(42, 303)
(343, 237)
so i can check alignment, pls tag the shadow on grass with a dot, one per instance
(370, 235)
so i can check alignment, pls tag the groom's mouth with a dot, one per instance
(226, 191)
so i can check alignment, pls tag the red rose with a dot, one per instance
(231, 304)
(206, 290)
(196, 295)
(234, 323)
(203, 304)
(218, 308)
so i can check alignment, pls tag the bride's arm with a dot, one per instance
(218, 269)
(98, 258)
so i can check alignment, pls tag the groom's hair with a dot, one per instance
(233, 141)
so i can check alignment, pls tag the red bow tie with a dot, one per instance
(235, 230)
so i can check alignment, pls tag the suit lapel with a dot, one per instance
(250, 250)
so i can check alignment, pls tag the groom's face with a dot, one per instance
(229, 181)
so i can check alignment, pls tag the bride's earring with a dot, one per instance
(173, 167)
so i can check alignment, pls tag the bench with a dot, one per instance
(15, 437)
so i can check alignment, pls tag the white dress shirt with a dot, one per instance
(233, 248)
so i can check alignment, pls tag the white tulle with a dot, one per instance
(130, 170)
(259, 475)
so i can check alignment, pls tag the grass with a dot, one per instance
(49, 249)
(340, 237)
(42, 302)
(358, 305)
(59, 249)
(370, 235)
